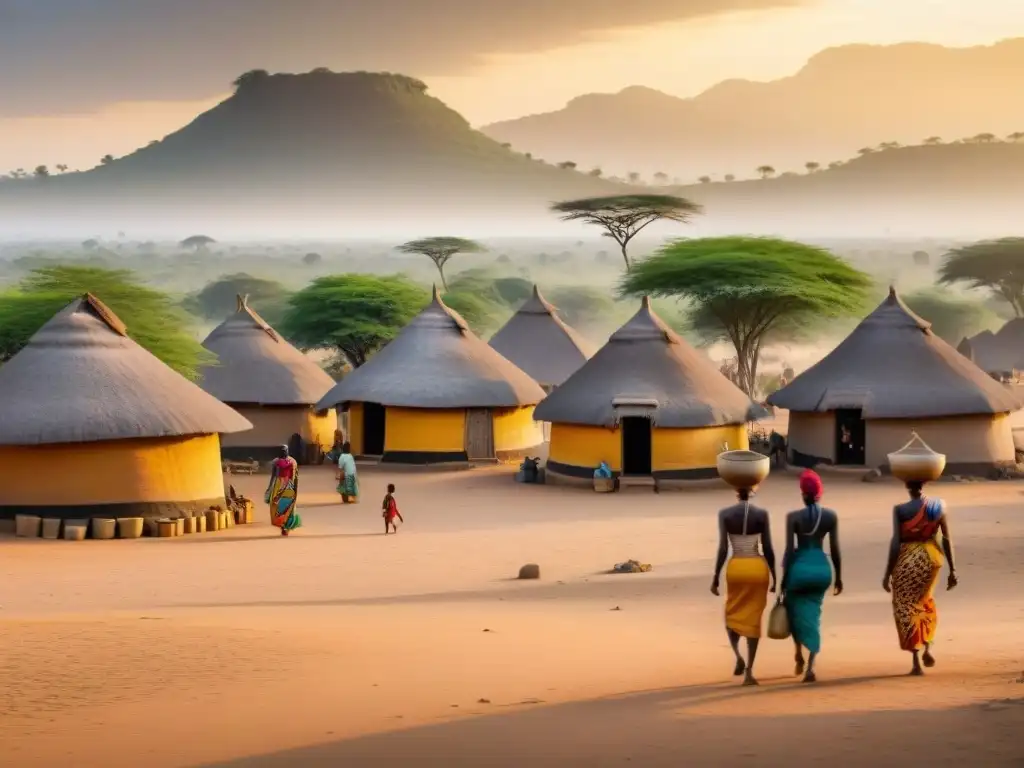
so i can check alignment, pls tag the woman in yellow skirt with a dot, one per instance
(748, 577)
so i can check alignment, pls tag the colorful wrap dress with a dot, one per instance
(348, 487)
(282, 494)
(915, 575)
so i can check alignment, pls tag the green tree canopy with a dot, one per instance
(217, 299)
(440, 250)
(952, 317)
(152, 318)
(197, 242)
(581, 305)
(355, 314)
(994, 264)
(623, 217)
(747, 290)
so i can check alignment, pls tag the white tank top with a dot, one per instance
(745, 544)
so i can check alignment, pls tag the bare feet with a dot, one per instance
(741, 667)
(799, 666)
(928, 659)
(810, 677)
(749, 679)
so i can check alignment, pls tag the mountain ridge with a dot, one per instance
(870, 94)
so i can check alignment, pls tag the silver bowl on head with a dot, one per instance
(743, 469)
(916, 462)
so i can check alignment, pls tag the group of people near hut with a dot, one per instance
(920, 539)
(283, 488)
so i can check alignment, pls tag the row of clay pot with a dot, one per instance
(33, 526)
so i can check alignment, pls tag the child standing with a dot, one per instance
(389, 510)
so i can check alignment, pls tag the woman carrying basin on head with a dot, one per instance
(748, 576)
(806, 574)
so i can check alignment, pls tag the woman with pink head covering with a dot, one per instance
(807, 574)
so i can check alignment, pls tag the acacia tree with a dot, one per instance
(152, 317)
(749, 290)
(766, 171)
(623, 217)
(197, 242)
(440, 249)
(354, 314)
(218, 298)
(997, 265)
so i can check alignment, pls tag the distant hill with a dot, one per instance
(844, 98)
(958, 190)
(316, 145)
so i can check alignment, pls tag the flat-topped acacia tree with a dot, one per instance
(623, 217)
(440, 249)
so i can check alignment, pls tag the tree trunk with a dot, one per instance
(625, 256)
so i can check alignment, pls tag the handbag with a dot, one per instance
(778, 621)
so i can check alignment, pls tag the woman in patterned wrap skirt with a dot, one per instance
(915, 563)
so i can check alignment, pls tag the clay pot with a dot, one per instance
(129, 527)
(167, 529)
(75, 530)
(743, 469)
(103, 528)
(179, 526)
(8, 527)
(604, 484)
(915, 461)
(190, 524)
(51, 527)
(212, 520)
(27, 526)
(248, 512)
(200, 523)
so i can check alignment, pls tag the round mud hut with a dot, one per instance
(890, 376)
(649, 405)
(438, 394)
(539, 342)
(93, 425)
(269, 382)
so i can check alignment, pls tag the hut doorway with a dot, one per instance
(636, 446)
(374, 426)
(851, 436)
(479, 434)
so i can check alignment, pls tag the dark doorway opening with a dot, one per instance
(636, 446)
(851, 437)
(374, 423)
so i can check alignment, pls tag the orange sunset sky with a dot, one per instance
(677, 51)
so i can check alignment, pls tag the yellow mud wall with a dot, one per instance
(425, 429)
(678, 449)
(116, 472)
(515, 429)
(582, 446)
(355, 428)
(275, 426)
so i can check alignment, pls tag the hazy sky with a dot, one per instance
(87, 77)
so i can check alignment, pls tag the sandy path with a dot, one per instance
(338, 646)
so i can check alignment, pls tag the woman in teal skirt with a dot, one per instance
(807, 574)
(348, 477)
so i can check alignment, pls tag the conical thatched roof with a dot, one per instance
(540, 343)
(892, 366)
(257, 366)
(81, 379)
(647, 360)
(436, 361)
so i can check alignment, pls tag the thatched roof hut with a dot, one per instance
(893, 367)
(646, 359)
(648, 404)
(128, 435)
(538, 341)
(256, 365)
(81, 378)
(891, 375)
(270, 382)
(438, 392)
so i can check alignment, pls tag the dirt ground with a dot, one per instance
(338, 646)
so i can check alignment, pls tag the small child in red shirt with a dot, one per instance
(389, 510)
